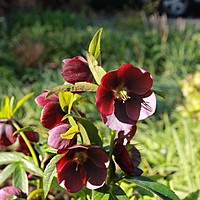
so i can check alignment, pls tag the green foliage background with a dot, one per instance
(32, 48)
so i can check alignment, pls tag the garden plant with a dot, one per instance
(69, 154)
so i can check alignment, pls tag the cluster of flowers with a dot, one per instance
(123, 97)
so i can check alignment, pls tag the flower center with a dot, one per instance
(122, 94)
(80, 157)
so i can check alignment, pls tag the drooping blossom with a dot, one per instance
(82, 165)
(11, 191)
(31, 136)
(126, 155)
(55, 141)
(52, 114)
(76, 70)
(6, 132)
(125, 96)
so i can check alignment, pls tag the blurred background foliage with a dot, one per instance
(37, 35)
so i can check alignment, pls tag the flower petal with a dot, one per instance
(41, 100)
(54, 139)
(104, 100)
(6, 134)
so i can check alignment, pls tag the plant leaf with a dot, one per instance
(66, 101)
(20, 178)
(92, 131)
(31, 168)
(10, 157)
(6, 172)
(49, 173)
(193, 196)
(97, 71)
(95, 44)
(112, 192)
(157, 188)
(70, 133)
(21, 101)
(77, 87)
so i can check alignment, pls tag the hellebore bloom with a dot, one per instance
(76, 70)
(127, 156)
(6, 133)
(55, 141)
(52, 113)
(31, 136)
(11, 191)
(125, 96)
(82, 165)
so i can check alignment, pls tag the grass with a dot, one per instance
(169, 143)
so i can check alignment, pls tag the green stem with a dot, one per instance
(110, 156)
(27, 143)
(34, 193)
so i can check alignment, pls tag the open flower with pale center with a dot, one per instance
(82, 165)
(125, 96)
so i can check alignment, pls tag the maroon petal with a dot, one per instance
(10, 191)
(98, 156)
(51, 115)
(71, 177)
(104, 100)
(55, 140)
(42, 100)
(96, 176)
(133, 109)
(110, 80)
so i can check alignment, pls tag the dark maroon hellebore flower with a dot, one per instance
(6, 133)
(127, 156)
(125, 96)
(82, 165)
(31, 136)
(76, 70)
(52, 113)
(11, 191)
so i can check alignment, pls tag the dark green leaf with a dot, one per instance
(10, 157)
(95, 44)
(112, 192)
(20, 178)
(6, 172)
(77, 87)
(92, 131)
(97, 71)
(32, 168)
(49, 173)
(157, 188)
(193, 196)
(159, 93)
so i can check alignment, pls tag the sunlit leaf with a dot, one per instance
(97, 71)
(6, 172)
(95, 44)
(92, 131)
(21, 101)
(193, 195)
(77, 87)
(32, 168)
(112, 192)
(157, 188)
(10, 157)
(66, 100)
(20, 178)
(70, 133)
(49, 173)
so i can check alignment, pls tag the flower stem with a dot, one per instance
(108, 180)
(27, 143)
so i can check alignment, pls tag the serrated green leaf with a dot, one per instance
(49, 173)
(113, 192)
(92, 131)
(77, 87)
(20, 178)
(32, 168)
(157, 188)
(97, 71)
(6, 172)
(21, 101)
(10, 157)
(95, 44)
